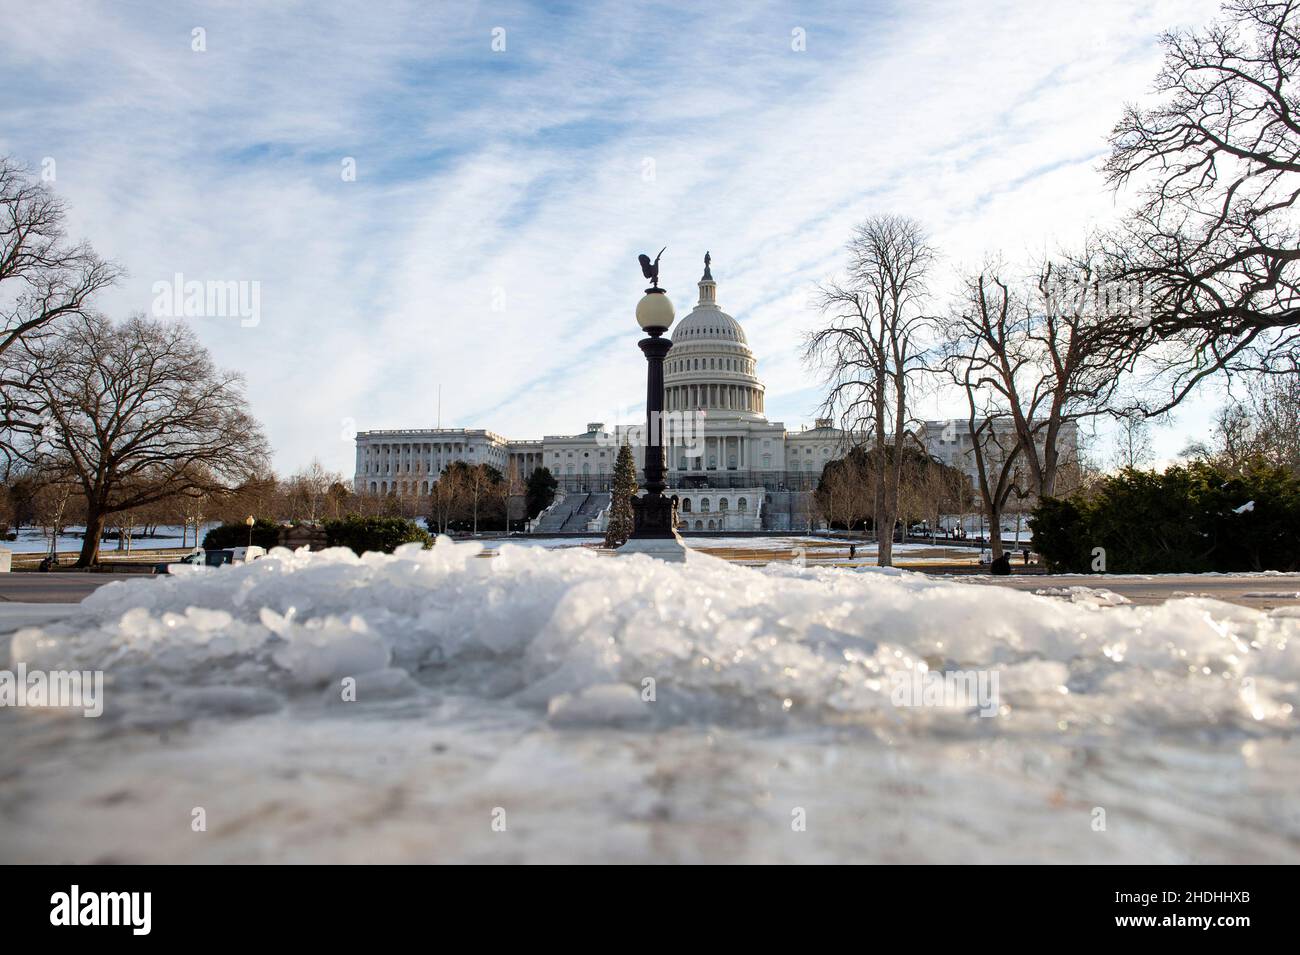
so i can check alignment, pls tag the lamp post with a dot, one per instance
(250, 522)
(654, 515)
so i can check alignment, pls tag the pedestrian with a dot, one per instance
(853, 552)
(1025, 551)
(1001, 566)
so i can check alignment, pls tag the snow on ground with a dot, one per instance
(787, 543)
(511, 690)
(548, 543)
(32, 540)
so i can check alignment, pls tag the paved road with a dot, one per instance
(1262, 593)
(1259, 593)
(61, 587)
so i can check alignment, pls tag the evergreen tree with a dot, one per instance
(620, 506)
(540, 491)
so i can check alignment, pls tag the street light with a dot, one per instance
(654, 515)
(250, 522)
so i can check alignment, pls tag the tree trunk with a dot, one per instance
(95, 520)
(995, 530)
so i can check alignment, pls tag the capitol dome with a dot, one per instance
(711, 367)
(708, 321)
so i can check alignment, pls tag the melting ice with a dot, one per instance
(325, 707)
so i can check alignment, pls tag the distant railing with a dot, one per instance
(700, 480)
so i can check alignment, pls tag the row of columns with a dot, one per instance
(718, 448)
(727, 397)
(526, 462)
(400, 488)
(404, 458)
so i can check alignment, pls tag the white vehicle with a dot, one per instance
(193, 560)
(198, 558)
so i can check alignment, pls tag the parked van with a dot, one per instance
(198, 558)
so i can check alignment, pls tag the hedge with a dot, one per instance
(374, 533)
(265, 534)
(1189, 519)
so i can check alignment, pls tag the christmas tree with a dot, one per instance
(620, 504)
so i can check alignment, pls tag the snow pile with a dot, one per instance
(560, 631)
(326, 708)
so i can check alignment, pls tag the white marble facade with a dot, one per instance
(711, 379)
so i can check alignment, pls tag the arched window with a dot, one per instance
(711, 527)
(722, 504)
(742, 505)
(704, 504)
(699, 525)
(686, 505)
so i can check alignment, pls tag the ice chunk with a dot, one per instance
(602, 704)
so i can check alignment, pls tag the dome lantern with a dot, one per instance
(708, 287)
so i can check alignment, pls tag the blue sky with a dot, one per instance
(488, 241)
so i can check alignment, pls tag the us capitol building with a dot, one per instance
(741, 472)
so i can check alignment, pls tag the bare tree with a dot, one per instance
(445, 496)
(991, 356)
(1041, 356)
(844, 493)
(43, 278)
(997, 456)
(1132, 441)
(1275, 408)
(483, 486)
(1214, 243)
(516, 491)
(870, 347)
(192, 507)
(258, 494)
(1265, 426)
(139, 413)
(307, 493)
(51, 506)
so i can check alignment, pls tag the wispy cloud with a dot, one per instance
(488, 241)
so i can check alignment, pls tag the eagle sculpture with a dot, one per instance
(651, 269)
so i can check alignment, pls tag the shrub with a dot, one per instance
(384, 534)
(265, 534)
(1060, 536)
(1190, 519)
